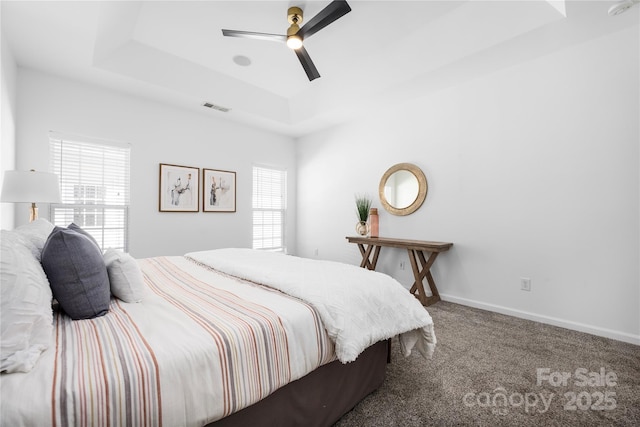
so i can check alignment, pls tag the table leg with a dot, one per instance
(427, 266)
(366, 253)
(420, 272)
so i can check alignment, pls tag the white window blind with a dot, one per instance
(269, 208)
(94, 184)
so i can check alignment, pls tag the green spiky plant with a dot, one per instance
(363, 205)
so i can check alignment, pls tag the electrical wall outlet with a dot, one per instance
(525, 284)
(315, 251)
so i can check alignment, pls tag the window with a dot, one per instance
(269, 208)
(94, 184)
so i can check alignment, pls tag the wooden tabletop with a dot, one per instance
(420, 245)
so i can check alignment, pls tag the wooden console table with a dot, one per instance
(416, 249)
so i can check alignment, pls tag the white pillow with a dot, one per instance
(125, 276)
(26, 317)
(35, 235)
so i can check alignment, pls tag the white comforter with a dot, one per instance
(358, 307)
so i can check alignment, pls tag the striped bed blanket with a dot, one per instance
(200, 346)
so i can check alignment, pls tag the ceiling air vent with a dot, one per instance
(216, 107)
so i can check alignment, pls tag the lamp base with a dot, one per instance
(33, 212)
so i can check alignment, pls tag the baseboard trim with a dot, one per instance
(567, 324)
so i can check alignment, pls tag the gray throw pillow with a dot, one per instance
(77, 274)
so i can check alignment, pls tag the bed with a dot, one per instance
(223, 337)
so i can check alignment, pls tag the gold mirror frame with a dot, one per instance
(422, 189)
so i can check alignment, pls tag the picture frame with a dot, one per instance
(218, 190)
(179, 188)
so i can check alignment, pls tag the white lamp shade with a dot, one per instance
(30, 187)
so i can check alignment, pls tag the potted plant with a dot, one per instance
(363, 205)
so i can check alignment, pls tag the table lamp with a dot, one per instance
(30, 187)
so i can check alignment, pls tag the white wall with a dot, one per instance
(157, 134)
(533, 172)
(8, 71)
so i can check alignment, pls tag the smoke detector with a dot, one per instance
(622, 7)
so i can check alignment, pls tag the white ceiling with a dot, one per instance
(382, 52)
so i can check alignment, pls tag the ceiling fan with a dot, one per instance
(296, 35)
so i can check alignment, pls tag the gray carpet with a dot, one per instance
(484, 372)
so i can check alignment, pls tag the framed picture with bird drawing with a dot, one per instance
(179, 188)
(218, 190)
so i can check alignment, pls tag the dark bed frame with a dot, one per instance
(321, 397)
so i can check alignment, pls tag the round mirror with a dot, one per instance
(403, 189)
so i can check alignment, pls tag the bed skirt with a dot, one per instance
(321, 397)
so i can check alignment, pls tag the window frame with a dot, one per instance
(99, 230)
(282, 211)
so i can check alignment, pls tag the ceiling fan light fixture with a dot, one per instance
(294, 16)
(294, 42)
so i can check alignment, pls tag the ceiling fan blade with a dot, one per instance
(307, 63)
(326, 16)
(259, 36)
